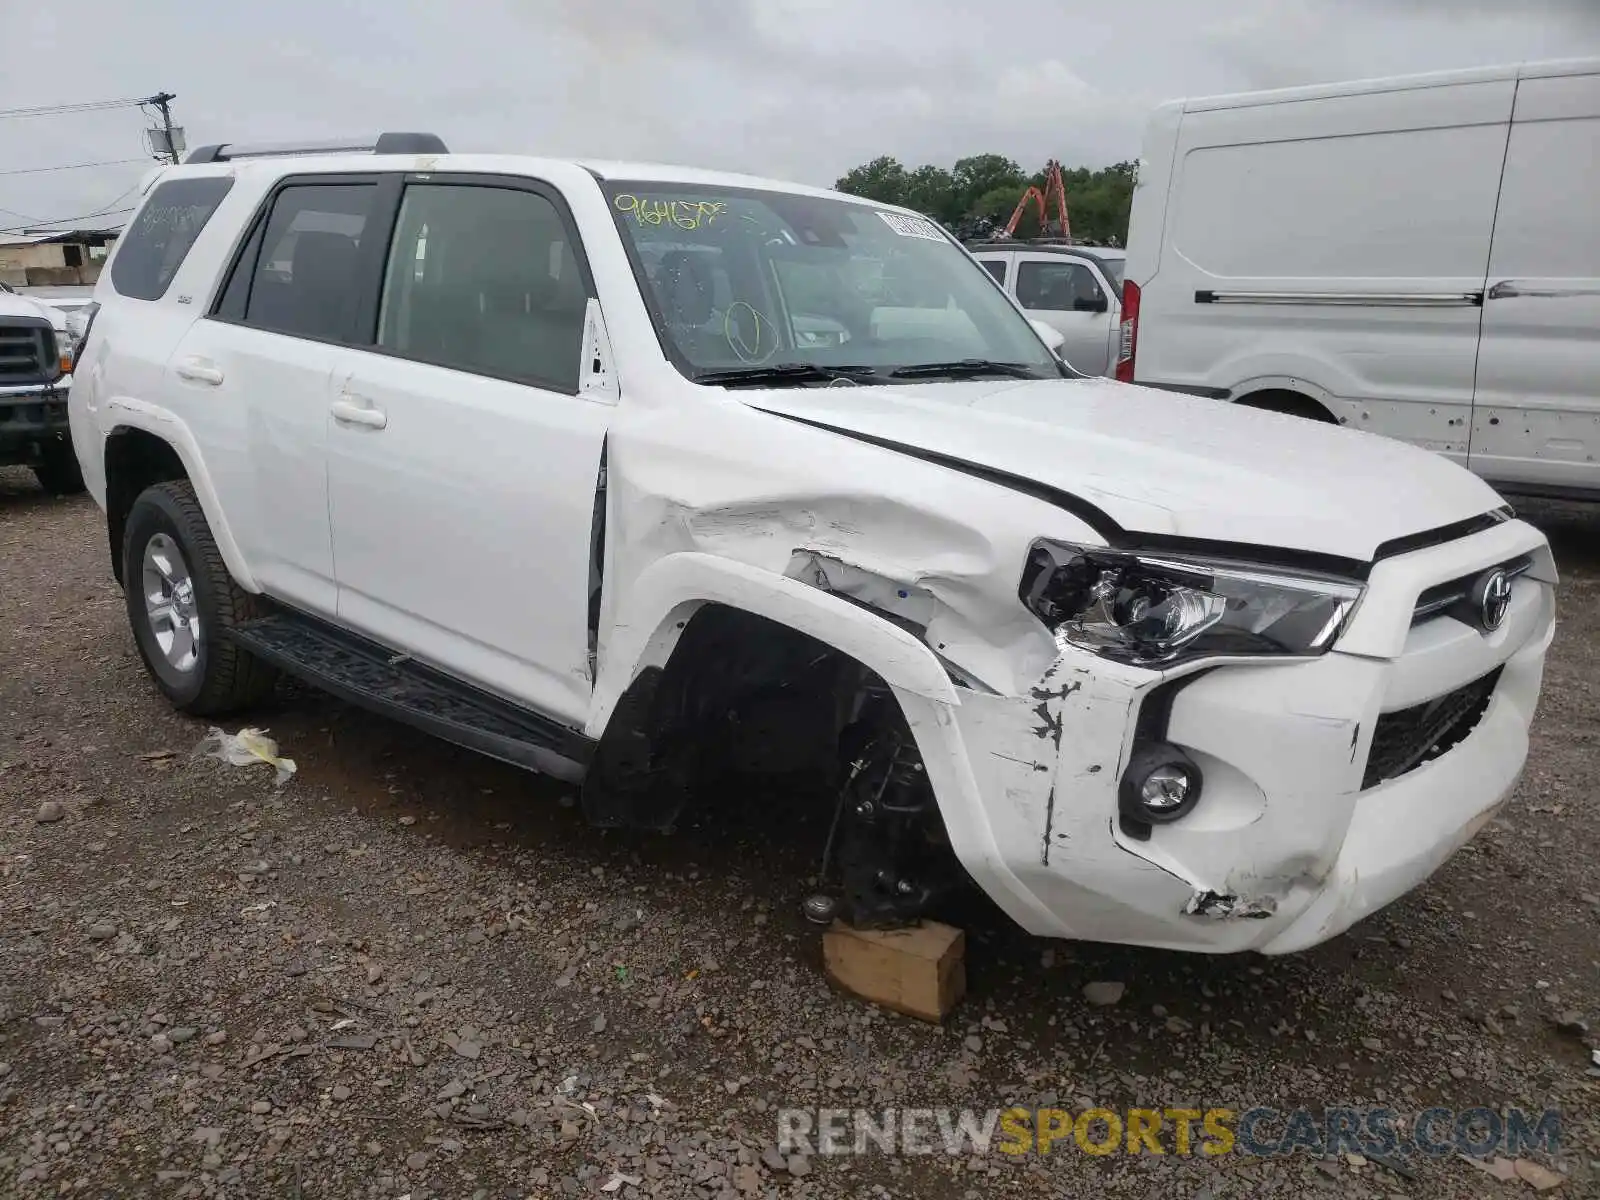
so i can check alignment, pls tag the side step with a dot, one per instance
(375, 677)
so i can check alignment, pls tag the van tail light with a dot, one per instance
(1128, 344)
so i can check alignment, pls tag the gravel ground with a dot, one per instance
(415, 972)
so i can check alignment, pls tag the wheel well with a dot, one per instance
(1294, 404)
(742, 696)
(135, 459)
(739, 688)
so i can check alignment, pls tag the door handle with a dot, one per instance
(198, 370)
(346, 410)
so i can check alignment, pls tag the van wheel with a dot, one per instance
(181, 601)
(57, 470)
(1291, 404)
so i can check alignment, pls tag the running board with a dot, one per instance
(376, 678)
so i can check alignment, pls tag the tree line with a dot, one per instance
(975, 198)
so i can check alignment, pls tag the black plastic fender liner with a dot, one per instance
(625, 787)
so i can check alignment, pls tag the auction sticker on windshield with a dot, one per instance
(916, 227)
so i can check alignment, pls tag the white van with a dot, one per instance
(1418, 257)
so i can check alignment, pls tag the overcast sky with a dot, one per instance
(800, 89)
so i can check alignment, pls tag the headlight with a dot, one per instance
(1152, 609)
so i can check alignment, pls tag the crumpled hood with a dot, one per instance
(1161, 463)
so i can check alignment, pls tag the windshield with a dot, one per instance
(742, 280)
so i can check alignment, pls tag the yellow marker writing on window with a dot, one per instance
(683, 214)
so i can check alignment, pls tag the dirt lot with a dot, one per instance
(411, 971)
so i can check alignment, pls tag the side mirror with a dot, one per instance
(1049, 335)
(1097, 304)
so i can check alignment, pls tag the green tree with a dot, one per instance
(984, 173)
(931, 190)
(882, 179)
(980, 192)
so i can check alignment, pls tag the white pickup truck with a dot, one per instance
(1076, 290)
(628, 473)
(35, 377)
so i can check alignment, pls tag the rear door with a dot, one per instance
(1066, 293)
(259, 372)
(464, 456)
(1536, 416)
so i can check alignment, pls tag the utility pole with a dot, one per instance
(162, 100)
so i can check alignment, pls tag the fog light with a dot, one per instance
(1161, 784)
(1165, 788)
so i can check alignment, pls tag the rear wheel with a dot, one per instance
(181, 602)
(57, 470)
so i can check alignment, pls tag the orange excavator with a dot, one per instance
(1055, 190)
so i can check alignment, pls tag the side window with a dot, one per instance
(154, 246)
(485, 279)
(1059, 286)
(306, 279)
(995, 267)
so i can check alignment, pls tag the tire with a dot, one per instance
(170, 560)
(57, 470)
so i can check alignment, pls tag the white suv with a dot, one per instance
(630, 473)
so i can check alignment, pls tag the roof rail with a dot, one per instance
(384, 143)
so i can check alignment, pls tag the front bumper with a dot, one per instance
(1288, 846)
(32, 416)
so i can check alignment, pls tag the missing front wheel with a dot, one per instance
(886, 839)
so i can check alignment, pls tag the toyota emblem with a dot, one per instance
(1491, 597)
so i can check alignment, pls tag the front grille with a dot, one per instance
(27, 351)
(1451, 597)
(1409, 737)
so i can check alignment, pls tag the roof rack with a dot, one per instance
(1001, 240)
(384, 143)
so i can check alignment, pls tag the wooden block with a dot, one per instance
(920, 970)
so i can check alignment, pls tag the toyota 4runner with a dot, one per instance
(630, 473)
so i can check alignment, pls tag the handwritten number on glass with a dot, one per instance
(683, 214)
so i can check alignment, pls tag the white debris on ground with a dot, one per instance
(245, 748)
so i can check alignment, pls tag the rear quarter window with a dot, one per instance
(155, 245)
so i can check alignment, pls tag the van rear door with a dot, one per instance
(1536, 417)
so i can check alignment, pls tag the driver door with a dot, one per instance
(1066, 294)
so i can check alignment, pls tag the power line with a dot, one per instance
(51, 110)
(64, 220)
(109, 162)
(50, 221)
(107, 211)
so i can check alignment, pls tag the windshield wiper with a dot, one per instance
(782, 373)
(966, 367)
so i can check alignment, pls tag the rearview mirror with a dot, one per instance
(1096, 304)
(1049, 334)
